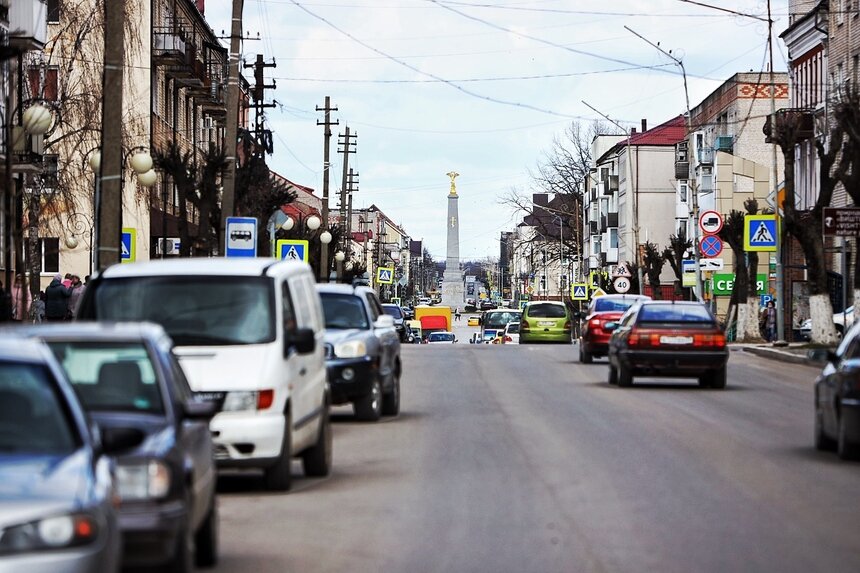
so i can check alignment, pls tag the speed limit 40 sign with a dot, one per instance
(621, 284)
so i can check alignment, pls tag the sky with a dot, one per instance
(479, 87)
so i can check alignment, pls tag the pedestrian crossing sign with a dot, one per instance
(385, 275)
(579, 291)
(760, 233)
(292, 250)
(127, 245)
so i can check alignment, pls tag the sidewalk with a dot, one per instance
(794, 353)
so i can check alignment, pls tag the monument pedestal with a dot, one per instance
(453, 293)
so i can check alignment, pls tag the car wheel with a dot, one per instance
(613, 375)
(625, 376)
(317, 460)
(584, 356)
(206, 539)
(846, 449)
(183, 554)
(369, 407)
(716, 378)
(279, 477)
(823, 442)
(391, 400)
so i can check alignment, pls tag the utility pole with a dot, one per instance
(780, 278)
(352, 187)
(327, 109)
(228, 195)
(345, 180)
(108, 197)
(261, 134)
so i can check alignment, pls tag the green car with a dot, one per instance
(545, 321)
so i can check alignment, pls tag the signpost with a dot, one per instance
(128, 245)
(711, 264)
(292, 249)
(760, 233)
(711, 222)
(385, 275)
(579, 291)
(598, 292)
(621, 284)
(841, 222)
(241, 237)
(724, 283)
(688, 276)
(711, 246)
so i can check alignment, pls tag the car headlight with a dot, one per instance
(350, 349)
(236, 401)
(806, 324)
(54, 532)
(148, 479)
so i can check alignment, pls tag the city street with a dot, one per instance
(518, 458)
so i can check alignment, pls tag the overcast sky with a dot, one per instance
(479, 87)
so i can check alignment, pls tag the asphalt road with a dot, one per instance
(520, 459)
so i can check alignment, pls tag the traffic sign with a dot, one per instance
(598, 292)
(688, 274)
(841, 222)
(241, 237)
(579, 291)
(292, 249)
(128, 245)
(760, 233)
(621, 270)
(711, 264)
(711, 222)
(385, 275)
(621, 284)
(711, 246)
(724, 284)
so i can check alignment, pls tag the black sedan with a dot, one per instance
(837, 398)
(129, 382)
(667, 338)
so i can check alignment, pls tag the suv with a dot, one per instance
(594, 337)
(362, 351)
(399, 316)
(545, 321)
(249, 336)
(128, 381)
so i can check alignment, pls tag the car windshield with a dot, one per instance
(32, 416)
(655, 313)
(344, 311)
(194, 310)
(498, 319)
(392, 310)
(542, 310)
(441, 337)
(604, 304)
(110, 376)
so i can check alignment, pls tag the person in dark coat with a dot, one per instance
(57, 300)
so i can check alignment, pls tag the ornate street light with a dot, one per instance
(37, 119)
(325, 237)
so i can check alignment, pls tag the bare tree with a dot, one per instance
(653, 262)
(674, 254)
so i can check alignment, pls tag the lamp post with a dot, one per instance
(140, 161)
(339, 258)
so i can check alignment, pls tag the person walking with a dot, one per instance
(770, 321)
(57, 300)
(37, 309)
(20, 299)
(77, 290)
(457, 313)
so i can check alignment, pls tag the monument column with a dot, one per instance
(452, 280)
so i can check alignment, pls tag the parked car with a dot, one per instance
(249, 336)
(399, 317)
(474, 321)
(362, 351)
(487, 305)
(57, 495)
(129, 381)
(837, 397)
(441, 337)
(594, 337)
(545, 321)
(511, 334)
(658, 338)
(842, 321)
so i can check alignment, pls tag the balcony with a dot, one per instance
(706, 156)
(610, 185)
(169, 46)
(612, 219)
(682, 170)
(603, 224)
(725, 143)
(799, 120)
(28, 24)
(592, 227)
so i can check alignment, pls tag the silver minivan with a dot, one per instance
(249, 336)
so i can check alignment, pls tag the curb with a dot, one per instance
(775, 354)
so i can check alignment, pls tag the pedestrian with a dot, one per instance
(57, 300)
(770, 321)
(37, 308)
(457, 313)
(77, 291)
(5, 304)
(20, 299)
(67, 280)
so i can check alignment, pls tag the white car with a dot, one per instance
(441, 337)
(512, 333)
(842, 321)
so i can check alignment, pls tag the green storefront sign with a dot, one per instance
(724, 283)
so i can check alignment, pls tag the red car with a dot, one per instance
(665, 338)
(594, 338)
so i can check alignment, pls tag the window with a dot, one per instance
(44, 83)
(613, 238)
(49, 254)
(682, 192)
(289, 318)
(53, 11)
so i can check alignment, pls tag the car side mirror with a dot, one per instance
(302, 339)
(115, 440)
(384, 321)
(199, 409)
(822, 356)
(610, 326)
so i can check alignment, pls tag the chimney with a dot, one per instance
(201, 6)
(632, 131)
(540, 199)
(644, 125)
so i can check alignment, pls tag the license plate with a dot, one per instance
(210, 396)
(676, 340)
(546, 323)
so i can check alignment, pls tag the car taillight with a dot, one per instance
(265, 398)
(524, 325)
(595, 322)
(567, 325)
(709, 340)
(508, 339)
(642, 339)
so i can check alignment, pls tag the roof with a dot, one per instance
(241, 266)
(94, 330)
(664, 135)
(13, 347)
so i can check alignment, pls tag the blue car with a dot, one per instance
(56, 482)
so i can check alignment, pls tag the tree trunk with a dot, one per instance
(823, 330)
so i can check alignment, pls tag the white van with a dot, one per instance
(249, 336)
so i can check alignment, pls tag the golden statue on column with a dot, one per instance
(453, 175)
